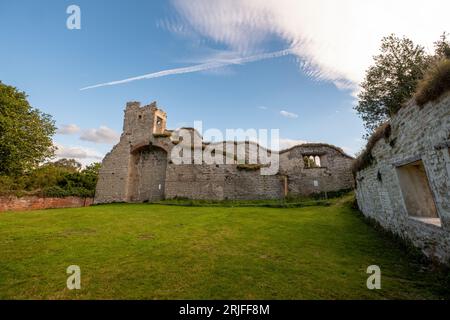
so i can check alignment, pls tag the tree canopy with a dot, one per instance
(25, 133)
(391, 80)
(442, 47)
(394, 77)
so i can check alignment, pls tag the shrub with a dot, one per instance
(59, 192)
(81, 192)
(59, 179)
(434, 84)
(55, 191)
(8, 185)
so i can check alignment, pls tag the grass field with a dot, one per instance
(143, 251)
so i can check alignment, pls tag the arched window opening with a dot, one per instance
(312, 161)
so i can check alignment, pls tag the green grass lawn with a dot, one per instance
(143, 251)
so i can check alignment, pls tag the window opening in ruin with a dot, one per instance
(312, 161)
(158, 121)
(417, 194)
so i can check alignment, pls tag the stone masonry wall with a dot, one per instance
(139, 168)
(112, 185)
(417, 134)
(220, 182)
(333, 174)
(117, 175)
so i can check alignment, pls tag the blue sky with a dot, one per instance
(123, 39)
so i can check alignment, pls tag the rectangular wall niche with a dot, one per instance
(417, 193)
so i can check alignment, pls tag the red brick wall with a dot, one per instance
(12, 203)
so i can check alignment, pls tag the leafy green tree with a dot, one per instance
(50, 174)
(92, 169)
(54, 179)
(90, 175)
(391, 81)
(25, 133)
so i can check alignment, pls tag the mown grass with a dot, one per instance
(142, 251)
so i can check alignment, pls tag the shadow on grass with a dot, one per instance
(319, 199)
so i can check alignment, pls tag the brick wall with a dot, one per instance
(12, 203)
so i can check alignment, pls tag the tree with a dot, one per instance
(442, 47)
(92, 169)
(391, 81)
(90, 175)
(70, 165)
(25, 133)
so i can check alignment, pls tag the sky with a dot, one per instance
(292, 65)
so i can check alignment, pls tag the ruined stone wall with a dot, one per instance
(333, 174)
(193, 181)
(112, 185)
(220, 182)
(118, 175)
(418, 135)
(147, 175)
(244, 185)
(139, 168)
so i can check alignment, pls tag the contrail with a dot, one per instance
(196, 68)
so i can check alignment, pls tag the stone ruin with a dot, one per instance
(139, 168)
(406, 185)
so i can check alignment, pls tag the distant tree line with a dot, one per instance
(26, 146)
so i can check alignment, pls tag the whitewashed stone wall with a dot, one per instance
(416, 134)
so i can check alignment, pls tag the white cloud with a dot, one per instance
(288, 143)
(76, 152)
(100, 135)
(288, 114)
(83, 155)
(262, 108)
(334, 40)
(67, 129)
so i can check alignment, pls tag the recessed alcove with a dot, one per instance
(417, 194)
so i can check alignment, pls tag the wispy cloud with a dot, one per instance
(333, 40)
(100, 135)
(68, 129)
(199, 67)
(288, 114)
(287, 143)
